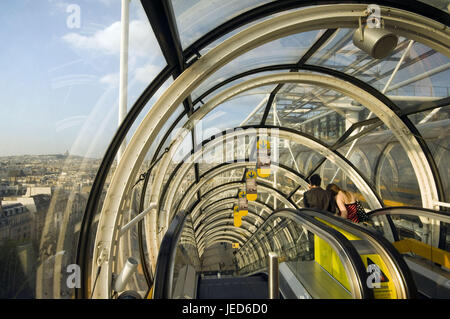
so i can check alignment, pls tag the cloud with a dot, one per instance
(146, 73)
(108, 2)
(111, 79)
(106, 41)
(142, 42)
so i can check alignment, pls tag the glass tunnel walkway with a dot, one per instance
(257, 97)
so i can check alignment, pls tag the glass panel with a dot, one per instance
(423, 73)
(144, 112)
(145, 57)
(432, 125)
(333, 54)
(226, 177)
(285, 50)
(306, 159)
(187, 261)
(292, 155)
(324, 114)
(230, 114)
(225, 86)
(396, 181)
(196, 17)
(178, 127)
(60, 107)
(181, 190)
(330, 173)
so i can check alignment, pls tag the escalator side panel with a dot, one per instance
(328, 259)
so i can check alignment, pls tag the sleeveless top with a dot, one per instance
(351, 212)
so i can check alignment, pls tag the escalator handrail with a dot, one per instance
(162, 284)
(407, 282)
(407, 210)
(350, 258)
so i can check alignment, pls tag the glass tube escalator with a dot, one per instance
(303, 243)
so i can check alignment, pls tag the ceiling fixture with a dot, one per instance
(376, 42)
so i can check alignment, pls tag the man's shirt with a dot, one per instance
(320, 199)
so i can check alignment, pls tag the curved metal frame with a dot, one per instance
(227, 225)
(221, 168)
(230, 231)
(206, 213)
(217, 190)
(398, 126)
(220, 239)
(287, 134)
(411, 145)
(225, 214)
(228, 212)
(311, 18)
(238, 184)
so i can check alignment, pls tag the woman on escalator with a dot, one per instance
(346, 202)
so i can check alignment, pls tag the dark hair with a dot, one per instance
(333, 188)
(336, 189)
(315, 180)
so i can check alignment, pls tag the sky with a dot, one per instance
(59, 77)
(60, 72)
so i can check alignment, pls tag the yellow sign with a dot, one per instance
(251, 174)
(378, 277)
(263, 144)
(235, 245)
(237, 219)
(243, 203)
(263, 158)
(250, 185)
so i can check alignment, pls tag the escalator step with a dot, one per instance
(233, 288)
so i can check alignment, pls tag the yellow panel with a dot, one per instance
(343, 232)
(328, 259)
(237, 220)
(393, 203)
(263, 172)
(322, 252)
(426, 251)
(150, 294)
(252, 197)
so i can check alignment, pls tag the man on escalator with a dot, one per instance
(318, 198)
